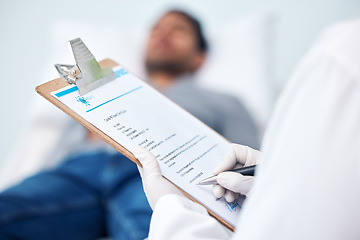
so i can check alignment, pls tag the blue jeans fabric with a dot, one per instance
(89, 196)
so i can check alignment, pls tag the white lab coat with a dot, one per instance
(308, 183)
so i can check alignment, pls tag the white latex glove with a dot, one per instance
(232, 184)
(155, 186)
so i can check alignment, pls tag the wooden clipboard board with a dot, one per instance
(45, 91)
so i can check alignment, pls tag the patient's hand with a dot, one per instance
(92, 137)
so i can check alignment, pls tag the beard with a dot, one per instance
(173, 68)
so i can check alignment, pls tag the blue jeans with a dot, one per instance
(90, 196)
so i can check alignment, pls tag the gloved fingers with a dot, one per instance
(230, 196)
(235, 182)
(155, 186)
(229, 159)
(235, 154)
(250, 158)
(218, 191)
(150, 165)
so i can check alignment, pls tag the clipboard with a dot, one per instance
(45, 91)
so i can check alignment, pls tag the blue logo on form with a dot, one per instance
(84, 100)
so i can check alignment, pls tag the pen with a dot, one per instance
(248, 171)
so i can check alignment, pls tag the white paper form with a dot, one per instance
(134, 114)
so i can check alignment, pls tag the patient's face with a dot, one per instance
(172, 44)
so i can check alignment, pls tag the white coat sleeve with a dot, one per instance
(308, 183)
(177, 218)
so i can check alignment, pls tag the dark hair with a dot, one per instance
(202, 44)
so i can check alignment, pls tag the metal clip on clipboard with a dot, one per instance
(87, 73)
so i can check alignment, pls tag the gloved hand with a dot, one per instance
(232, 184)
(155, 186)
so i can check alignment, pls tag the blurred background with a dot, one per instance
(254, 47)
